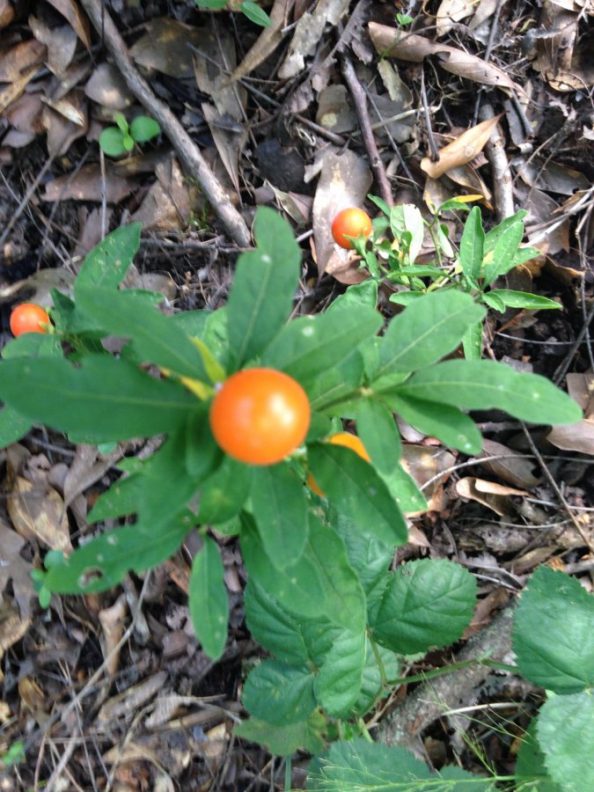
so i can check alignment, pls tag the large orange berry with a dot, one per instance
(28, 318)
(260, 416)
(352, 222)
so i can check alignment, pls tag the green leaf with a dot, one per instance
(471, 246)
(202, 454)
(371, 683)
(121, 499)
(472, 342)
(453, 427)
(105, 399)
(223, 495)
(428, 603)
(107, 264)
(492, 301)
(468, 781)
(309, 346)
(565, 730)
(485, 384)
(120, 120)
(356, 490)
(156, 338)
(128, 142)
(111, 141)
(285, 739)
(360, 294)
(208, 600)
(404, 490)
(321, 583)
(365, 767)
(273, 626)
(103, 562)
(531, 773)
(337, 383)
(406, 297)
(278, 693)
(338, 683)
(144, 129)
(263, 288)
(553, 633)
(369, 557)
(503, 258)
(33, 345)
(427, 330)
(377, 429)
(255, 14)
(518, 299)
(13, 426)
(279, 506)
(211, 5)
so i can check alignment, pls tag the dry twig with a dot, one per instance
(186, 149)
(502, 178)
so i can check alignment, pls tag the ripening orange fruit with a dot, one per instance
(347, 440)
(28, 318)
(260, 416)
(352, 222)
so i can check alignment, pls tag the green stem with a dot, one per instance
(380, 665)
(288, 773)
(437, 672)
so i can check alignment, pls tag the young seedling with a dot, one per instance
(118, 140)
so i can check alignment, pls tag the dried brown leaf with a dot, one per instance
(14, 568)
(450, 12)
(578, 436)
(212, 65)
(166, 47)
(112, 622)
(308, 32)
(17, 60)
(229, 144)
(62, 131)
(38, 512)
(267, 41)
(6, 13)
(461, 150)
(513, 469)
(60, 42)
(12, 92)
(494, 496)
(86, 184)
(130, 700)
(168, 204)
(107, 87)
(70, 9)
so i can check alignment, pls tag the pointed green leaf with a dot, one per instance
(255, 13)
(485, 384)
(223, 495)
(471, 245)
(453, 427)
(519, 299)
(208, 600)
(309, 346)
(156, 338)
(472, 342)
(380, 436)
(553, 632)
(105, 399)
(121, 499)
(107, 264)
(427, 603)
(531, 772)
(503, 258)
(355, 489)
(274, 627)
(280, 509)
(427, 330)
(338, 683)
(13, 426)
(263, 288)
(284, 740)
(103, 562)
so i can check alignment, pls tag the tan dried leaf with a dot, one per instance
(38, 512)
(6, 13)
(168, 204)
(512, 468)
(70, 9)
(60, 42)
(578, 436)
(112, 623)
(16, 61)
(494, 496)
(87, 184)
(130, 700)
(166, 47)
(107, 87)
(267, 41)
(450, 12)
(461, 150)
(13, 567)
(308, 32)
(229, 145)
(218, 57)
(65, 122)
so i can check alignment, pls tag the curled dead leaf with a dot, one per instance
(461, 150)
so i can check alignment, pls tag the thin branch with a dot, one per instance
(187, 151)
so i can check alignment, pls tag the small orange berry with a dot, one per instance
(352, 222)
(28, 318)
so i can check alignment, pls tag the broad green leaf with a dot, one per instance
(428, 603)
(13, 426)
(279, 505)
(105, 399)
(553, 632)
(156, 338)
(202, 454)
(355, 489)
(472, 342)
(456, 779)
(485, 384)
(284, 740)
(366, 767)
(336, 384)
(214, 5)
(33, 345)
(309, 346)
(107, 264)
(263, 287)
(278, 693)
(111, 141)
(519, 299)
(371, 682)
(404, 490)
(565, 730)
(364, 293)
(255, 13)
(223, 495)
(531, 773)
(273, 626)
(406, 297)
(321, 583)
(427, 330)
(406, 219)
(338, 683)
(453, 427)
(103, 562)
(503, 257)
(144, 129)
(121, 499)
(377, 429)
(208, 600)
(471, 246)
(369, 557)
(491, 300)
